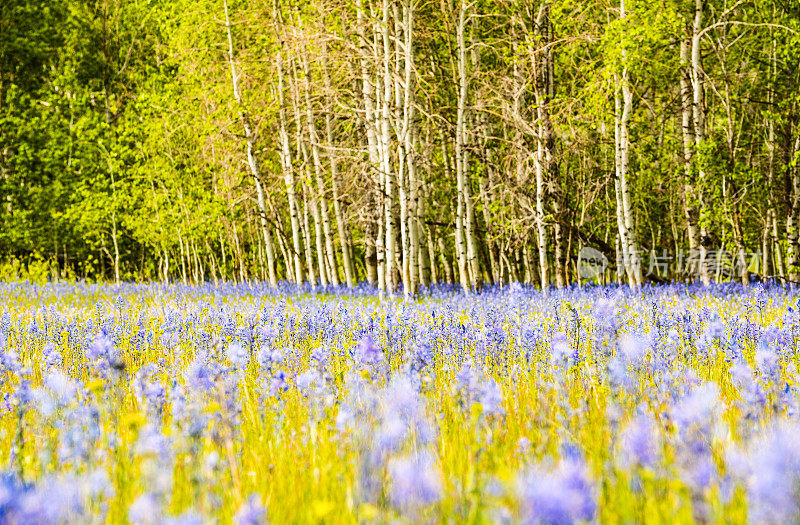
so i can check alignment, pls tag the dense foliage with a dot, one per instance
(177, 404)
(397, 141)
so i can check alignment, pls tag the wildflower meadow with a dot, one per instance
(251, 404)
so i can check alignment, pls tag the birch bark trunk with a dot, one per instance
(699, 117)
(465, 219)
(400, 128)
(411, 245)
(490, 243)
(369, 95)
(691, 213)
(793, 218)
(286, 155)
(328, 261)
(386, 151)
(546, 165)
(623, 103)
(252, 161)
(341, 226)
(302, 149)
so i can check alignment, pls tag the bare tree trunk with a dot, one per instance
(623, 102)
(347, 261)
(326, 255)
(116, 247)
(623, 255)
(559, 251)
(213, 263)
(690, 201)
(286, 158)
(305, 226)
(411, 195)
(166, 266)
(223, 268)
(237, 252)
(448, 268)
(541, 228)
(738, 240)
(371, 117)
(251, 157)
(399, 125)
(541, 59)
(730, 194)
(698, 110)
(386, 151)
(793, 218)
(777, 252)
(370, 252)
(306, 229)
(198, 264)
(319, 238)
(772, 215)
(465, 234)
(490, 243)
(183, 259)
(308, 200)
(424, 261)
(470, 223)
(432, 255)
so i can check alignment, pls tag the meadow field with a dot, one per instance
(250, 404)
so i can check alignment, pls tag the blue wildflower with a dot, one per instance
(251, 512)
(415, 481)
(640, 442)
(564, 494)
(237, 355)
(491, 398)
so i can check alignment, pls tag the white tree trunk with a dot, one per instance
(252, 161)
(369, 94)
(401, 128)
(792, 220)
(463, 223)
(306, 228)
(286, 162)
(386, 150)
(347, 261)
(411, 196)
(541, 227)
(623, 103)
(327, 255)
(687, 125)
(698, 111)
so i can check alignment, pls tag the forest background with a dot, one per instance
(399, 142)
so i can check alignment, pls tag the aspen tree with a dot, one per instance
(286, 152)
(252, 161)
(623, 103)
